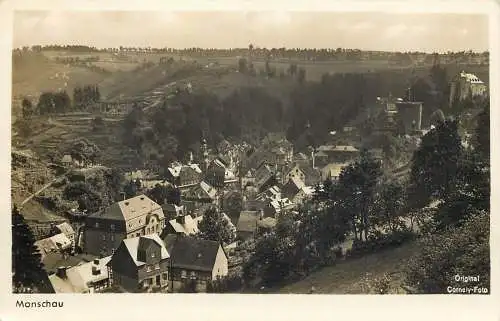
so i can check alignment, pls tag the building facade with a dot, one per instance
(134, 217)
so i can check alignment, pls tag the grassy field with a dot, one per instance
(347, 277)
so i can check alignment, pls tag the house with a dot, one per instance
(265, 177)
(292, 187)
(67, 160)
(53, 260)
(58, 243)
(277, 207)
(184, 224)
(215, 173)
(184, 176)
(173, 210)
(270, 194)
(337, 153)
(141, 264)
(194, 262)
(332, 171)
(201, 193)
(248, 179)
(89, 277)
(294, 172)
(247, 224)
(133, 217)
(305, 193)
(465, 85)
(67, 230)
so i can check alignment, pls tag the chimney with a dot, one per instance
(96, 270)
(181, 219)
(61, 272)
(142, 198)
(96, 261)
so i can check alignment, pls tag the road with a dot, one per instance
(43, 188)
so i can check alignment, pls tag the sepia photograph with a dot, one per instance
(250, 152)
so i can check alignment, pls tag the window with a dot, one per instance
(157, 266)
(112, 237)
(193, 275)
(104, 237)
(165, 276)
(157, 227)
(112, 227)
(147, 230)
(153, 254)
(148, 268)
(183, 274)
(97, 224)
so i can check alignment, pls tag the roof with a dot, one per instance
(190, 225)
(79, 277)
(191, 253)
(471, 78)
(51, 261)
(248, 221)
(282, 203)
(66, 229)
(53, 243)
(67, 159)
(335, 148)
(209, 190)
(132, 245)
(333, 169)
(132, 210)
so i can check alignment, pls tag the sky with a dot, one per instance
(428, 32)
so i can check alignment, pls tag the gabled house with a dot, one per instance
(292, 187)
(215, 174)
(141, 264)
(58, 243)
(265, 177)
(201, 193)
(194, 262)
(270, 194)
(184, 176)
(133, 217)
(89, 277)
(67, 230)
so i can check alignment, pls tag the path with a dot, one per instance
(43, 188)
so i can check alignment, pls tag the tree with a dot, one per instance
(435, 164)
(482, 132)
(389, 206)
(356, 192)
(27, 108)
(214, 226)
(26, 259)
(462, 251)
(84, 151)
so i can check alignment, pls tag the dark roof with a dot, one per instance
(52, 261)
(191, 253)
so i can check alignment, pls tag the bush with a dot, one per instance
(380, 242)
(231, 283)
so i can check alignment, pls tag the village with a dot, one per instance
(143, 243)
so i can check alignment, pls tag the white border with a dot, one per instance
(246, 307)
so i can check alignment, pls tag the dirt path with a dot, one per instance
(43, 188)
